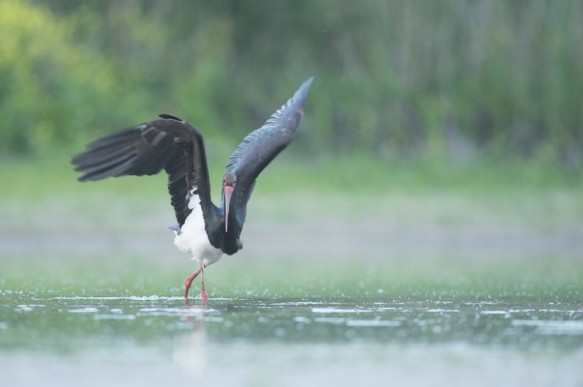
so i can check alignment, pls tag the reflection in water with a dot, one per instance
(160, 341)
(189, 347)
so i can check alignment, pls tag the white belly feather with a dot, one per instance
(193, 239)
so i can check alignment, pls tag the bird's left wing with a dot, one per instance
(261, 146)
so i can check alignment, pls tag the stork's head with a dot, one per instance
(229, 183)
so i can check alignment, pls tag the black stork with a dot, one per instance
(170, 143)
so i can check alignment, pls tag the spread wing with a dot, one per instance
(261, 146)
(166, 143)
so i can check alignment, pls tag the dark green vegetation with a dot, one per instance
(455, 79)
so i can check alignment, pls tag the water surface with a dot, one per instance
(154, 340)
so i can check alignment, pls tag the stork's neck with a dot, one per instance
(213, 219)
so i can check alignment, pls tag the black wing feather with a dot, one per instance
(178, 185)
(262, 145)
(167, 143)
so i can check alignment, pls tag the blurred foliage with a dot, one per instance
(454, 79)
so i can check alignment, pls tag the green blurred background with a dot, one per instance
(455, 125)
(413, 80)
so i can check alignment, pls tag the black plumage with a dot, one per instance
(174, 145)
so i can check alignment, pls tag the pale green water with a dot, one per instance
(455, 339)
(436, 291)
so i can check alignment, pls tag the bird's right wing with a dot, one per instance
(166, 143)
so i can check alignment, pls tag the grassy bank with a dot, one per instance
(352, 228)
(351, 187)
(292, 171)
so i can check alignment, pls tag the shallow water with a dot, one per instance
(153, 340)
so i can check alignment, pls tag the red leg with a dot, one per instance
(188, 282)
(203, 296)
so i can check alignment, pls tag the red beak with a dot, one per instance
(227, 191)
